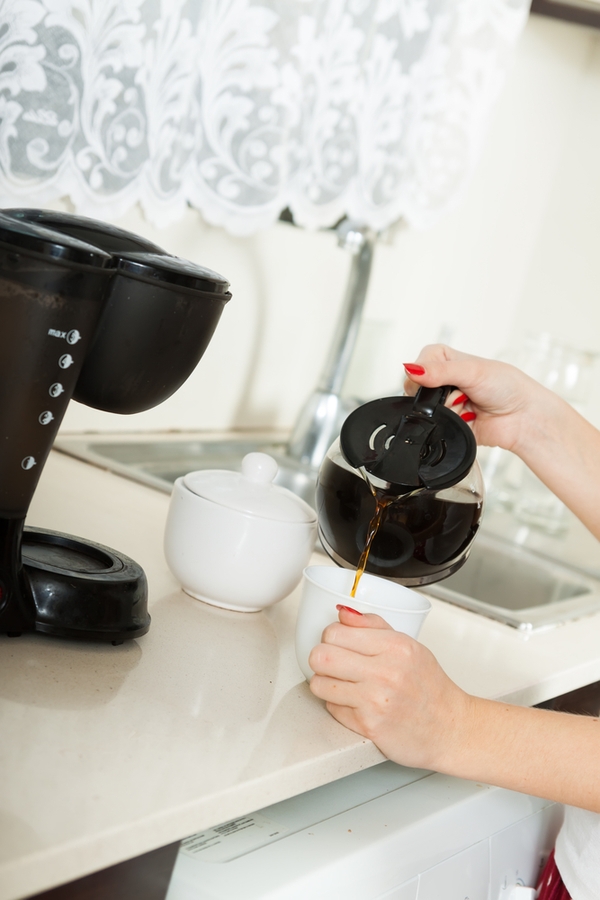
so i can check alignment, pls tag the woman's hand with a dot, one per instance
(510, 410)
(502, 402)
(391, 689)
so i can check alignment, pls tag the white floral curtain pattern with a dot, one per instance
(371, 108)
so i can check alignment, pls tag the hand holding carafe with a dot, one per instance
(388, 687)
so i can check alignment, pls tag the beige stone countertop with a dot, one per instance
(109, 752)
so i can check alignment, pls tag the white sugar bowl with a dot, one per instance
(235, 539)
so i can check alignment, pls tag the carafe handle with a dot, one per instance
(428, 399)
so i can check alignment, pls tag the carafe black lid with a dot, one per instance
(100, 234)
(30, 237)
(170, 270)
(410, 442)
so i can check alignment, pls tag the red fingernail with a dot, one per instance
(348, 609)
(460, 399)
(414, 369)
(468, 416)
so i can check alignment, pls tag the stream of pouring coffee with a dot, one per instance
(381, 503)
(383, 499)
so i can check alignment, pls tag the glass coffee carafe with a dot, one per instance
(403, 471)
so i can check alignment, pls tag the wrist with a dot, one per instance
(460, 735)
(540, 424)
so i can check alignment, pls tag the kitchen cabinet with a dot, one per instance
(145, 877)
(112, 752)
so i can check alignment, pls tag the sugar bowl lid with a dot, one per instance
(251, 491)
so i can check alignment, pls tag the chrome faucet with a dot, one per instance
(324, 412)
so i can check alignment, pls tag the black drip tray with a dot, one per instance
(65, 554)
(83, 590)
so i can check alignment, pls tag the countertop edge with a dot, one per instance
(50, 868)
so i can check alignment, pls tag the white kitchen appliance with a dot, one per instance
(386, 833)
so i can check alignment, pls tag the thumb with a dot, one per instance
(445, 366)
(350, 616)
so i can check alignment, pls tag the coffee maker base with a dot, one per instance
(82, 590)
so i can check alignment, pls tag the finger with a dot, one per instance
(334, 690)
(346, 716)
(439, 353)
(440, 365)
(417, 372)
(368, 641)
(355, 619)
(333, 661)
(459, 403)
(456, 400)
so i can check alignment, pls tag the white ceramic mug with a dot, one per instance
(324, 587)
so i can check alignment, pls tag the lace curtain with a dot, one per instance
(371, 108)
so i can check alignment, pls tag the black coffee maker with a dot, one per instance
(93, 312)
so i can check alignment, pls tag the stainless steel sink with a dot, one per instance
(517, 587)
(524, 588)
(158, 459)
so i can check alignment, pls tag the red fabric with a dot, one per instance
(550, 885)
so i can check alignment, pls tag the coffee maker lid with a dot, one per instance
(170, 270)
(30, 237)
(410, 442)
(93, 231)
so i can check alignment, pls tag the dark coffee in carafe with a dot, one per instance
(421, 538)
